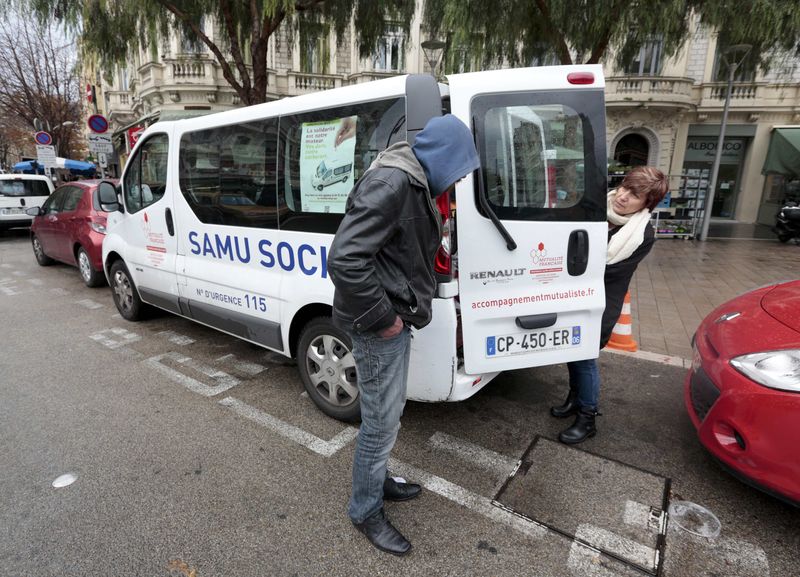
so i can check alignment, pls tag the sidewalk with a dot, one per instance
(681, 281)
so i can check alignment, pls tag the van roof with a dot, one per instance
(354, 93)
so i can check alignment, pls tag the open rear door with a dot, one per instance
(531, 223)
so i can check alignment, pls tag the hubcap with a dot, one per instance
(332, 370)
(123, 290)
(84, 265)
(37, 248)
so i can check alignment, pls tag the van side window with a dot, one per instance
(322, 155)
(538, 157)
(227, 174)
(146, 178)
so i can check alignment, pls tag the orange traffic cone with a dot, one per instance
(622, 335)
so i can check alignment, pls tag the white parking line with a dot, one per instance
(625, 548)
(36, 281)
(6, 265)
(89, 304)
(475, 454)
(245, 367)
(224, 380)
(7, 287)
(584, 561)
(59, 291)
(472, 501)
(175, 338)
(126, 337)
(19, 273)
(284, 429)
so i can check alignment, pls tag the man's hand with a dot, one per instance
(393, 330)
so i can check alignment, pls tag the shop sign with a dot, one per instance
(705, 149)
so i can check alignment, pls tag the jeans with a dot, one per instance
(382, 374)
(585, 377)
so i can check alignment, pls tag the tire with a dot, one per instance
(328, 370)
(344, 179)
(320, 187)
(38, 252)
(784, 238)
(91, 277)
(126, 297)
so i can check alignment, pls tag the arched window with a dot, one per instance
(632, 150)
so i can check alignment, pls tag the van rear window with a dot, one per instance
(24, 188)
(538, 156)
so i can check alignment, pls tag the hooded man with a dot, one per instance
(381, 263)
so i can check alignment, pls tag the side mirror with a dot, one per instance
(34, 211)
(107, 197)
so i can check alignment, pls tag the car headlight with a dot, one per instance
(97, 227)
(774, 369)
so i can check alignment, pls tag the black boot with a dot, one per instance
(394, 491)
(570, 406)
(383, 535)
(581, 429)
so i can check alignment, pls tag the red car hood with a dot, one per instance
(768, 319)
(783, 304)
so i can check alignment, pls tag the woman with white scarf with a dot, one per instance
(630, 238)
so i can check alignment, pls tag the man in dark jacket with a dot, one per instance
(381, 262)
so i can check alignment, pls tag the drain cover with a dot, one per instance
(610, 506)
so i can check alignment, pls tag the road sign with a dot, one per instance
(43, 138)
(102, 160)
(98, 123)
(133, 136)
(100, 143)
(46, 155)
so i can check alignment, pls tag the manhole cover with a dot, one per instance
(610, 506)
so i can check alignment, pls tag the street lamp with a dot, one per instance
(733, 56)
(433, 50)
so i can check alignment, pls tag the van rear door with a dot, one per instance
(531, 223)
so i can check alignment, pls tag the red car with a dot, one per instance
(743, 390)
(70, 227)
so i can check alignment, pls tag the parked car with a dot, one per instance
(18, 193)
(70, 227)
(743, 390)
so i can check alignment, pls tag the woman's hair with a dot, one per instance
(648, 181)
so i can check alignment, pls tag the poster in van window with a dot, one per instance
(327, 151)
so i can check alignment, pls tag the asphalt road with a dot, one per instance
(197, 454)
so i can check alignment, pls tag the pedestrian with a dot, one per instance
(381, 263)
(630, 238)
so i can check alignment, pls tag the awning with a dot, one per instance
(74, 166)
(161, 115)
(783, 155)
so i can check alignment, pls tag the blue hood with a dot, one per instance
(446, 151)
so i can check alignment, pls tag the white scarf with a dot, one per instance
(630, 236)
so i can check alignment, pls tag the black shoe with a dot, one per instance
(394, 491)
(383, 535)
(570, 406)
(581, 429)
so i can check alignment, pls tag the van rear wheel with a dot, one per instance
(328, 369)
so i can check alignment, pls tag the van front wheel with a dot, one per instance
(328, 369)
(126, 297)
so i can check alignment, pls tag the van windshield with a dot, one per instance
(24, 188)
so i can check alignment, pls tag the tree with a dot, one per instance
(111, 29)
(38, 82)
(520, 32)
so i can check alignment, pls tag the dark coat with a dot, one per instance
(381, 259)
(617, 279)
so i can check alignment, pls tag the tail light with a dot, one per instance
(443, 265)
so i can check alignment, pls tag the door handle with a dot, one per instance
(170, 224)
(577, 252)
(531, 322)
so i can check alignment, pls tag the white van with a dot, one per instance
(332, 171)
(520, 268)
(19, 192)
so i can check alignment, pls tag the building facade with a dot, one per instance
(662, 112)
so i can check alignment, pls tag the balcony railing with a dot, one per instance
(656, 91)
(739, 91)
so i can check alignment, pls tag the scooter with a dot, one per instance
(787, 222)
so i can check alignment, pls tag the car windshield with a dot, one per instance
(23, 188)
